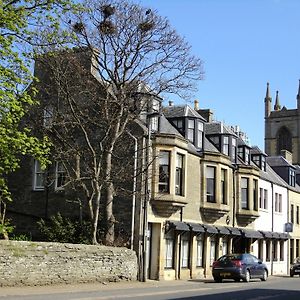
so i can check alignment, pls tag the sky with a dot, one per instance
(244, 44)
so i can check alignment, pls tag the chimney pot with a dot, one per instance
(171, 103)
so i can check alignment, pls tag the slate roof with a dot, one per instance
(278, 161)
(181, 111)
(271, 176)
(166, 127)
(217, 128)
(256, 150)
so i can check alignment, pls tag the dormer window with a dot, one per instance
(244, 154)
(260, 161)
(200, 135)
(225, 148)
(292, 177)
(178, 124)
(191, 130)
(216, 141)
(233, 150)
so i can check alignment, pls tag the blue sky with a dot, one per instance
(244, 44)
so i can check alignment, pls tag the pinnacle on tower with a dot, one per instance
(277, 105)
(268, 102)
(298, 95)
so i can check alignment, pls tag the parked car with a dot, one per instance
(295, 267)
(239, 266)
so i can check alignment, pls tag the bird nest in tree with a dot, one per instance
(107, 27)
(78, 27)
(107, 10)
(146, 26)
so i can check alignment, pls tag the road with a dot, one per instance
(274, 289)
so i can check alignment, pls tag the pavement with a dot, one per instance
(95, 286)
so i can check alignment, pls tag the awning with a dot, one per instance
(223, 230)
(234, 231)
(210, 228)
(276, 235)
(253, 234)
(196, 227)
(179, 226)
(284, 235)
(267, 234)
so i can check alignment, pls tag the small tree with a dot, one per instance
(18, 20)
(136, 56)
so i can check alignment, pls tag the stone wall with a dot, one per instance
(36, 263)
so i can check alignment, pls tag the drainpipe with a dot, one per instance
(272, 227)
(133, 188)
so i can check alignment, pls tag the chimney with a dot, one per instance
(207, 114)
(287, 155)
(171, 103)
(196, 105)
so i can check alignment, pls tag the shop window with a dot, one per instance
(200, 249)
(281, 250)
(185, 250)
(169, 254)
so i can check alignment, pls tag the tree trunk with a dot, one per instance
(110, 192)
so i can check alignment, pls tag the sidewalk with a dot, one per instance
(65, 288)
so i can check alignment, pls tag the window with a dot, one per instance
(210, 184)
(292, 213)
(191, 130)
(284, 140)
(278, 202)
(179, 174)
(154, 124)
(60, 175)
(247, 155)
(178, 124)
(255, 192)
(297, 247)
(48, 116)
(268, 250)
(169, 250)
(263, 163)
(39, 177)
(275, 257)
(223, 186)
(244, 154)
(260, 249)
(185, 251)
(291, 251)
(233, 149)
(200, 135)
(212, 251)
(281, 249)
(199, 262)
(164, 172)
(225, 149)
(224, 246)
(244, 193)
(292, 178)
(256, 160)
(297, 214)
(263, 198)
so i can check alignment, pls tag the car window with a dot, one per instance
(254, 259)
(230, 257)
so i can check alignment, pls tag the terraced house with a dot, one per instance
(198, 191)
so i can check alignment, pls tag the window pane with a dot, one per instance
(164, 170)
(199, 253)
(210, 184)
(169, 253)
(244, 193)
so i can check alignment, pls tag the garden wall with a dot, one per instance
(37, 263)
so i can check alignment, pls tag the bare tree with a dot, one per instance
(136, 56)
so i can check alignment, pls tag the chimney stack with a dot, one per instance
(196, 105)
(171, 103)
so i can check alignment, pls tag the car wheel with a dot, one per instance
(291, 275)
(247, 276)
(265, 276)
(217, 279)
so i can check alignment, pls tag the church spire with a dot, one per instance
(268, 102)
(277, 105)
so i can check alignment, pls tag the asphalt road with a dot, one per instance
(274, 288)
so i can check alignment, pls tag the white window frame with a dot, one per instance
(185, 248)
(200, 243)
(59, 172)
(37, 171)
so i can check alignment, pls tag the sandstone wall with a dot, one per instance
(35, 263)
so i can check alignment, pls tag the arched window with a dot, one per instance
(284, 140)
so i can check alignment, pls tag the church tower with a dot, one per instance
(282, 127)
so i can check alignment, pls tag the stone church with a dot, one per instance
(282, 128)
